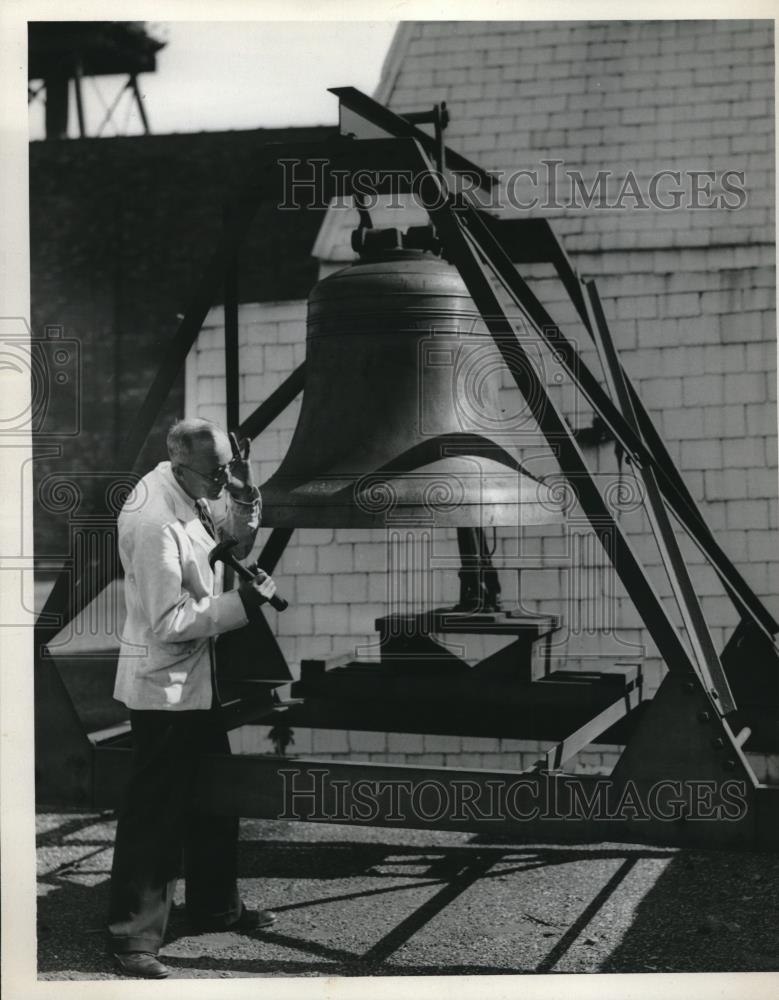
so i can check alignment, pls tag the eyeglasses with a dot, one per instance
(219, 475)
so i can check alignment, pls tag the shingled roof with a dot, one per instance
(625, 97)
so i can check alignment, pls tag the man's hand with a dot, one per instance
(240, 482)
(259, 590)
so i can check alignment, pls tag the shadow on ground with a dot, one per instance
(707, 912)
(423, 906)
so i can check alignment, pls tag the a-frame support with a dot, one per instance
(707, 745)
(472, 261)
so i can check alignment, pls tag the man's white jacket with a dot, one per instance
(175, 603)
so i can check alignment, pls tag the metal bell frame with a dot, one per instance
(691, 730)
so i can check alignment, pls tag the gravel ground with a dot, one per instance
(374, 901)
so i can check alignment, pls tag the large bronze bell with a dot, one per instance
(389, 431)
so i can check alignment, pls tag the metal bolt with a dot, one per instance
(718, 743)
(729, 764)
(704, 717)
(689, 686)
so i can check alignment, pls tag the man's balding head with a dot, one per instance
(188, 436)
(198, 449)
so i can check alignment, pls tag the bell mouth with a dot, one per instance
(461, 491)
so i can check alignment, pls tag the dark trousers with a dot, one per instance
(159, 830)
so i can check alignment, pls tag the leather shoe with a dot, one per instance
(253, 920)
(141, 965)
(249, 920)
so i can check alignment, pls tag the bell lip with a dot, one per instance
(455, 499)
(517, 517)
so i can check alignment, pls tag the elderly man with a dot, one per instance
(165, 676)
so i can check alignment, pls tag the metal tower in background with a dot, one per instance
(65, 51)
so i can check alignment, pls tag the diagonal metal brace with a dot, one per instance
(710, 669)
(681, 503)
(460, 249)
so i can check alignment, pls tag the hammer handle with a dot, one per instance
(277, 602)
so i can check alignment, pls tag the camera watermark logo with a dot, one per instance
(90, 502)
(464, 376)
(40, 381)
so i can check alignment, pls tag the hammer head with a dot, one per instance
(221, 551)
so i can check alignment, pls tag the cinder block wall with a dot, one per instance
(689, 295)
